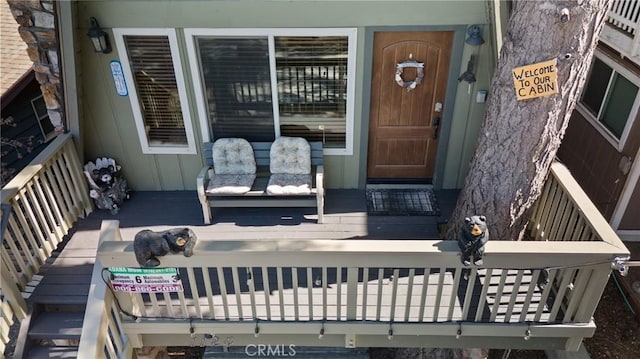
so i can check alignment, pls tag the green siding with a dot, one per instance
(107, 123)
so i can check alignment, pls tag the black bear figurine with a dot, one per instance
(148, 245)
(474, 236)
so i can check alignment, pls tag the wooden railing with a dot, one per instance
(624, 24)
(43, 202)
(102, 334)
(538, 294)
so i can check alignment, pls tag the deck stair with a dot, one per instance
(50, 331)
(56, 306)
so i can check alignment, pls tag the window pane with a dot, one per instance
(621, 97)
(596, 86)
(155, 82)
(312, 87)
(236, 77)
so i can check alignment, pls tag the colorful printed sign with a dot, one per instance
(536, 80)
(146, 280)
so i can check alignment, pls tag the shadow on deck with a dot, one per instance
(345, 218)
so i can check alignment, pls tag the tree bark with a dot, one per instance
(519, 139)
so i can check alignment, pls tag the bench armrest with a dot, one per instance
(320, 178)
(202, 181)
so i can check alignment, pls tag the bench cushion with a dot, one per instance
(230, 184)
(233, 156)
(290, 155)
(286, 184)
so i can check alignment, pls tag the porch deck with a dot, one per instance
(346, 218)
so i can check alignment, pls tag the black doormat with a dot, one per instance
(401, 202)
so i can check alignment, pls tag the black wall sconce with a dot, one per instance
(99, 38)
(475, 36)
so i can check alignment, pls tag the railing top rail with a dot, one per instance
(590, 213)
(369, 253)
(26, 174)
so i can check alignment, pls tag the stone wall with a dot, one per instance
(37, 27)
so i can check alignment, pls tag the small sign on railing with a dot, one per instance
(145, 280)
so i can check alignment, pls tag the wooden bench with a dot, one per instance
(257, 196)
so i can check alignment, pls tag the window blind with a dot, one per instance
(155, 82)
(236, 77)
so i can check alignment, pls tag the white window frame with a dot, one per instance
(147, 148)
(593, 119)
(270, 34)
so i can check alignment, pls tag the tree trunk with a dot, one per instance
(519, 139)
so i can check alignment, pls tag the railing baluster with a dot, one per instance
(483, 297)
(294, 281)
(546, 210)
(37, 216)
(223, 291)
(454, 292)
(280, 293)
(365, 288)
(498, 296)
(394, 295)
(407, 305)
(352, 293)
(324, 293)
(58, 198)
(471, 282)
(138, 304)
(514, 294)
(310, 291)
(379, 297)
(194, 292)
(44, 190)
(577, 293)
(207, 287)
(533, 284)
(338, 292)
(252, 292)
(46, 205)
(558, 219)
(436, 308)
(567, 277)
(58, 183)
(423, 294)
(267, 291)
(237, 291)
(545, 295)
(168, 304)
(153, 297)
(34, 257)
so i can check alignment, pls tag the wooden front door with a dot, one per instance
(404, 124)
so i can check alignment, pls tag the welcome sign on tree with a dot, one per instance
(536, 80)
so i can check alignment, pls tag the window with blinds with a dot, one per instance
(153, 75)
(261, 86)
(155, 81)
